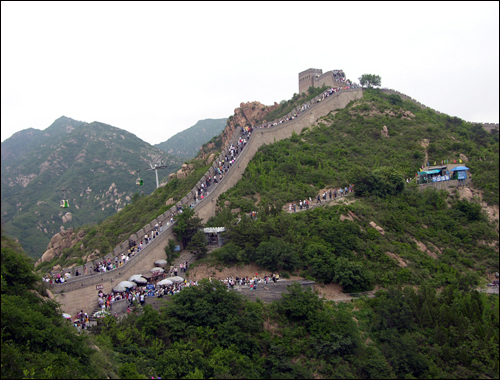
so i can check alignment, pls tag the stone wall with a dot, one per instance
(306, 79)
(81, 293)
(206, 209)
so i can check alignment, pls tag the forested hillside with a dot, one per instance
(427, 237)
(186, 144)
(95, 162)
(37, 342)
(206, 331)
(100, 239)
(426, 251)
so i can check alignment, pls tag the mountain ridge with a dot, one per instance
(87, 158)
(188, 142)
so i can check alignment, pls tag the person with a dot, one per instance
(318, 200)
(142, 299)
(175, 271)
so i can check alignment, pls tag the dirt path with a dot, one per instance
(331, 292)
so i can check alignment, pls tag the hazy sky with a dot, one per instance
(155, 69)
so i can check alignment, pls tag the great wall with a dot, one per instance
(79, 292)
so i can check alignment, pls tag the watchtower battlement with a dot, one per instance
(316, 78)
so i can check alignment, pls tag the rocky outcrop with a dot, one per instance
(184, 171)
(378, 228)
(64, 239)
(248, 114)
(210, 159)
(67, 217)
(385, 131)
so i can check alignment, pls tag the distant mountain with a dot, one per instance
(96, 162)
(187, 143)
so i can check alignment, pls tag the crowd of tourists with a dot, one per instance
(338, 74)
(139, 293)
(326, 94)
(56, 278)
(250, 281)
(222, 169)
(331, 194)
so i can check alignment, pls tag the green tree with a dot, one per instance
(170, 251)
(352, 276)
(370, 80)
(186, 226)
(277, 255)
(128, 371)
(198, 244)
(382, 182)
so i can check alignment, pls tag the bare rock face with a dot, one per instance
(170, 201)
(378, 228)
(181, 174)
(67, 217)
(56, 267)
(64, 239)
(248, 114)
(385, 132)
(210, 159)
(171, 176)
(56, 238)
(48, 255)
(184, 171)
(464, 158)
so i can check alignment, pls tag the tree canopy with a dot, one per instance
(370, 80)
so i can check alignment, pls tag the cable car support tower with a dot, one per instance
(156, 167)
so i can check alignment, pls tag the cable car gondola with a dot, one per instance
(139, 181)
(64, 202)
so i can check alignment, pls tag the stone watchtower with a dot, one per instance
(306, 79)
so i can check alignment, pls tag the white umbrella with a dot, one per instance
(141, 280)
(101, 313)
(157, 269)
(165, 282)
(119, 288)
(161, 263)
(175, 279)
(66, 315)
(132, 278)
(127, 284)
